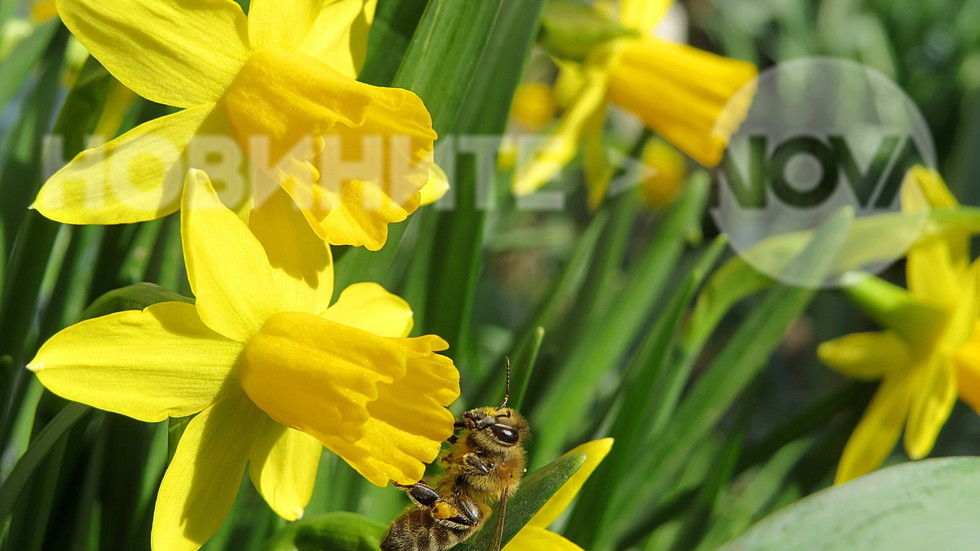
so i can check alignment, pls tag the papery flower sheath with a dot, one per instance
(277, 87)
(930, 350)
(535, 534)
(693, 99)
(271, 371)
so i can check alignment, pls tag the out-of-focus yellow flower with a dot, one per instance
(930, 350)
(43, 10)
(667, 169)
(278, 86)
(535, 535)
(534, 105)
(272, 370)
(693, 99)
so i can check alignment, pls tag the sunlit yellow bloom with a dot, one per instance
(930, 350)
(535, 535)
(693, 99)
(667, 169)
(278, 87)
(271, 371)
(534, 105)
(43, 10)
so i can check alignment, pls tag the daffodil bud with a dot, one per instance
(571, 29)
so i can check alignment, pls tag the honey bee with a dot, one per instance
(484, 465)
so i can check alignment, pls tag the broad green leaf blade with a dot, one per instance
(338, 531)
(929, 504)
(481, 121)
(439, 63)
(535, 490)
(391, 31)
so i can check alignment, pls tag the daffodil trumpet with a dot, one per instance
(272, 371)
(693, 99)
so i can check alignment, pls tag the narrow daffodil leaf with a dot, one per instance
(36, 453)
(535, 490)
(338, 531)
(928, 504)
(21, 62)
(131, 297)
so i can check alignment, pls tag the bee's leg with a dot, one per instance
(474, 465)
(463, 515)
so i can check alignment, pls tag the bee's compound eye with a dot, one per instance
(505, 435)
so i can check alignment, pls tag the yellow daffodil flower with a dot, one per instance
(271, 371)
(278, 86)
(667, 169)
(930, 350)
(693, 99)
(535, 535)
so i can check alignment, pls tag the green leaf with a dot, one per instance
(646, 392)
(338, 531)
(439, 64)
(929, 504)
(131, 297)
(24, 59)
(535, 490)
(561, 406)
(36, 453)
(740, 361)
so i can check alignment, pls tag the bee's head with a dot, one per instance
(502, 427)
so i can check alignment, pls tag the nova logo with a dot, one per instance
(782, 169)
(822, 134)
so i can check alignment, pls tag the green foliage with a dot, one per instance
(927, 504)
(627, 322)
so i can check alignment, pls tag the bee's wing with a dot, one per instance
(500, 520)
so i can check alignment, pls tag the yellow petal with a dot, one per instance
(334, 32)
(932, 275)
(967, 360)
(283, 464)
(200, 484)
(595, 451)
(866, 356)
(409, 420)
(317, 376)
(876, 434)
(227, 268)
(932, 402)
(370, 149)
(369, 307)
(137, 176)
(559, 147)
(435, 187)
(642, 16)
(151, 364)
(700, 100)
(923, 189)
(534, 538)
(302, 267)
(168, 51)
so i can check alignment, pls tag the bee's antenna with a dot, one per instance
(507, 391)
